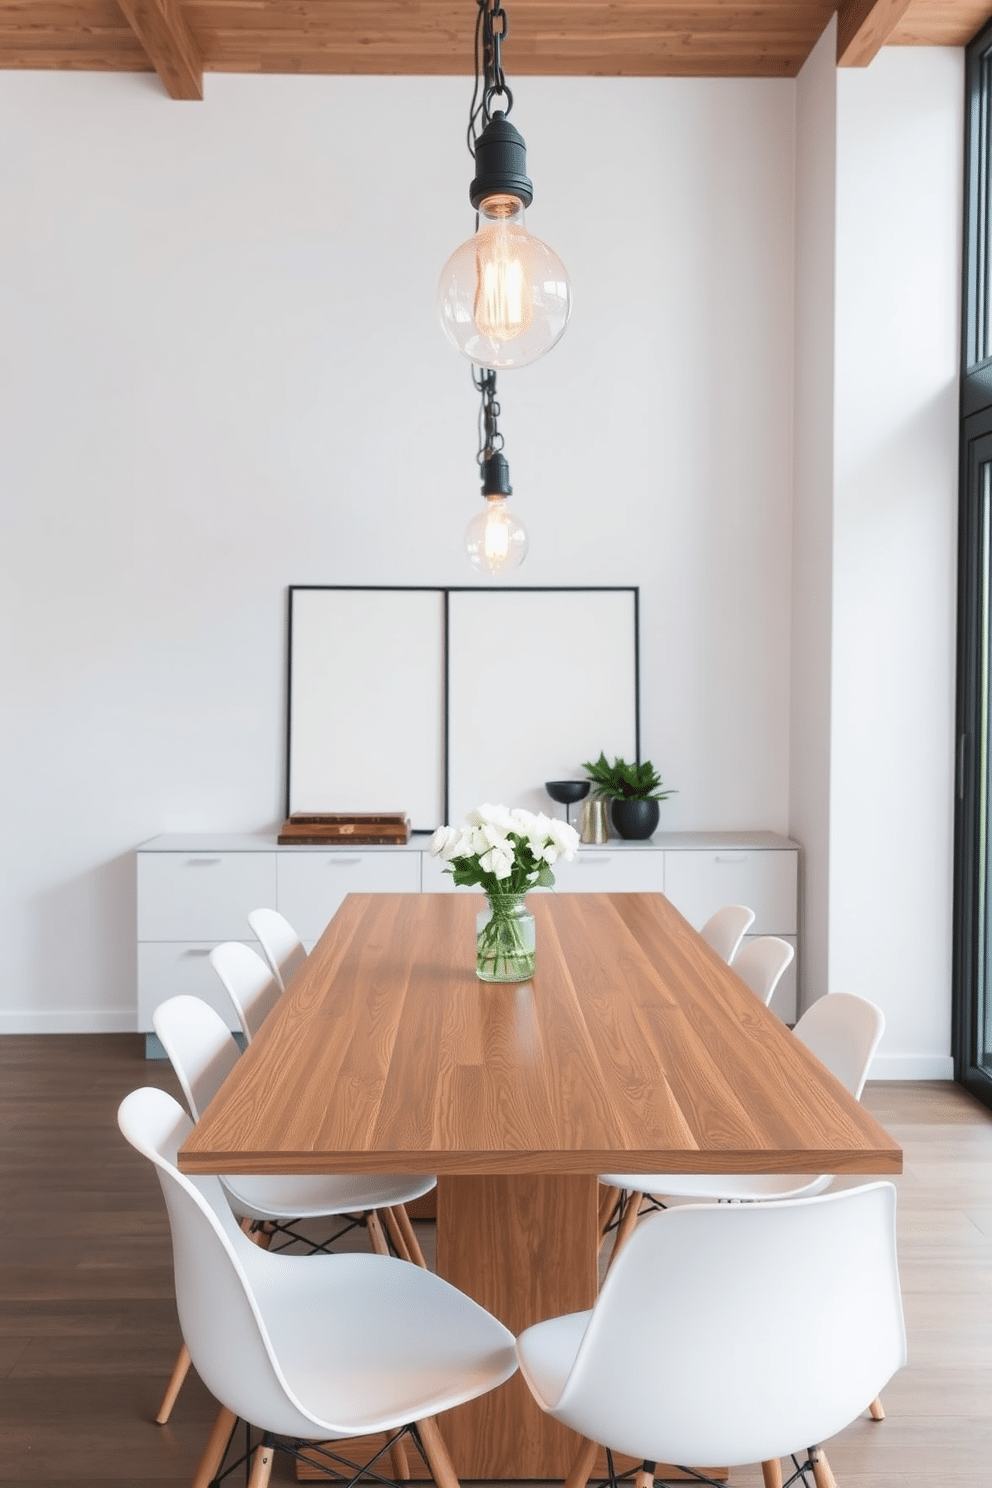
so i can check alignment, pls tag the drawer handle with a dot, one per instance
(599, 861)
(202, 862)
(343, 862)
(198, 951)
(732, 857)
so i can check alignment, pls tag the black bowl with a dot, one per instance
(566, 791)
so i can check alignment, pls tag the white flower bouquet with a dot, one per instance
(505, 852)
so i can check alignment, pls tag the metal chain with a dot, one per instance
(492, 27)
(490, 439)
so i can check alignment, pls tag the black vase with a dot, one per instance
(634, 820)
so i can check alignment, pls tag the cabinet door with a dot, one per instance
(311, 885)
(169, 969)
(202, 896)
(700, 882)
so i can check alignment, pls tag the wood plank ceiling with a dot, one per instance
(182, 39)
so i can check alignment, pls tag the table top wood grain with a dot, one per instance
(634, 1048)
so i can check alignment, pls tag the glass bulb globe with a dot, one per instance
(496, 539)
(503, 297)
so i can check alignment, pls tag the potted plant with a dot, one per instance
(633, 791)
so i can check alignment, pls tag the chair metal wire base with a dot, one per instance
(336, 1469)
(615, 1479)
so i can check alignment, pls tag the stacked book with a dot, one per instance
(325, 829)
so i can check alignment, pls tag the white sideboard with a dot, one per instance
(196, 890)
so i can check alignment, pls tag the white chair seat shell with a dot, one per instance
(327, 1326)
(282, 947)
(311, 1196)
(737, 1187)
(718, 1289)
(725, 929)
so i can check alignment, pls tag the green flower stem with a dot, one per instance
(504, 945)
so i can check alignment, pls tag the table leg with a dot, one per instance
(524, 1246)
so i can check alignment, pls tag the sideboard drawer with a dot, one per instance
(311, 885)
(202, 896)
(171, 969)
(600, 870)
(699, 883)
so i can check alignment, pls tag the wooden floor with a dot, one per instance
(88, 1330)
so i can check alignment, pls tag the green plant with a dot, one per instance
(624, 782)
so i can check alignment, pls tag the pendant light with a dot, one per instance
(495, 539)
(503, 297)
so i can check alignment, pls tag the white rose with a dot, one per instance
(497, 862)
(566, 838)
(441, 838)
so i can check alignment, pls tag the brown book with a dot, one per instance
(357, 833)
(335, 818)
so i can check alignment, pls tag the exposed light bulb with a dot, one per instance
(503, 297)
(504, 305)
(496, 539)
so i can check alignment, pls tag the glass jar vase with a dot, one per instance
(505, 940)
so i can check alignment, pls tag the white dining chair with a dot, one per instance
(761, 963)
(724, 1286)
(203, 1052)
(281, 946)
(312, 1349)
(248, 982)
(725, 930)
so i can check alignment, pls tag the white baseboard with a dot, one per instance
(912, 1067)
(63, 1020)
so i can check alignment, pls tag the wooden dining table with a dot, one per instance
(633, 1048)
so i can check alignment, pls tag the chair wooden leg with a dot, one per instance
(397, 1458)
(410, 1236)
(179, 1373)
(877, 1410)
(261, 1467)
(440, 1464)
(377, 1238)
(644, 1477)
(392, 1225)
(213, 1452)
(822, 1476)
(582, 1464)
(626, 1226)
(607, 1204)
(771, 1473)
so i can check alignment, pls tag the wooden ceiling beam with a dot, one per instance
(863, 28)
(165, 36)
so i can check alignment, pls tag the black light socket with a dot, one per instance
(496, 476)
(500, 163)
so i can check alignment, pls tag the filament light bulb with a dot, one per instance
(496, 539)
(503, 297)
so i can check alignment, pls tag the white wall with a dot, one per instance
(220, 374)
(812, 562)
(899, 175)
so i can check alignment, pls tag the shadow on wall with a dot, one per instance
(85, 963)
